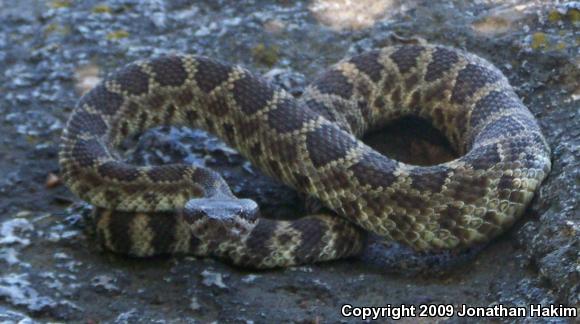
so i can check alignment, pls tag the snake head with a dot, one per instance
(218, 219)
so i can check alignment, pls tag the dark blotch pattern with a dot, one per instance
(249, 127)
(321, 108)
(156, 101)
(365, 109)
(369, 64)
(163, 226)
(191, 116)
(133, 80)
(468, 189)
(143, 119)
(252, 94)
(284, 238)
(335, 83)
(167, 173)
(118, 227)
(83, 122)
(210, 126)
(287, 151)
(437, 93)
(374, 170)
(491, 217)
(217, 106)
(470, 79)
(460, 121)
(184, 98)
(230, 133)
(327, 144)
(516, 196)
(442, 61)
(505, 182)
(118, 171)
(169, 71)
(415, 100)
(404, 224)
(257, 243)
(493, 103)
(483, 157)
(124, 129)
(451, 219)
(430, 178)
(170, 111)
(151, 197)
(411, 82)
(87, 152)
(396, 96)
(345, 244)
(256, 150)
(363, 88)
(527, 120)
(302, 182)
(102, 100)
(194, 243)
(438, 116)
(210, 74)
(406, 57)
(288, 117)
(274, 167)
(334, 179)
(379, 102)
(405, 201)
(132, 110)
(351, 209)
(112, 196)
(389, 83)
(311, 245)
(516, 146)
(506, 126)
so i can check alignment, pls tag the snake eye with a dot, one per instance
(249, 210)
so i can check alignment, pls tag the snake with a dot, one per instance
(311, 143)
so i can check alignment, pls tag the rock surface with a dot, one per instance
(51, 51)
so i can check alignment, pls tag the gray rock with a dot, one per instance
(61, 274)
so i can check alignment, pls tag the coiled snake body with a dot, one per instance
(311, 145)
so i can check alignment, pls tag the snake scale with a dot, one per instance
(311, 144)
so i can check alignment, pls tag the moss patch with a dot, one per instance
(101, 9)
(57, 4)
(539, 40)
(118, 34)
(266, 55)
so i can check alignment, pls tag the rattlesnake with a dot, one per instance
(310, 144)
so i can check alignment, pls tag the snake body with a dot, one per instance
(312, 145)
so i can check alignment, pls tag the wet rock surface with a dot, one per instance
(50, 51)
